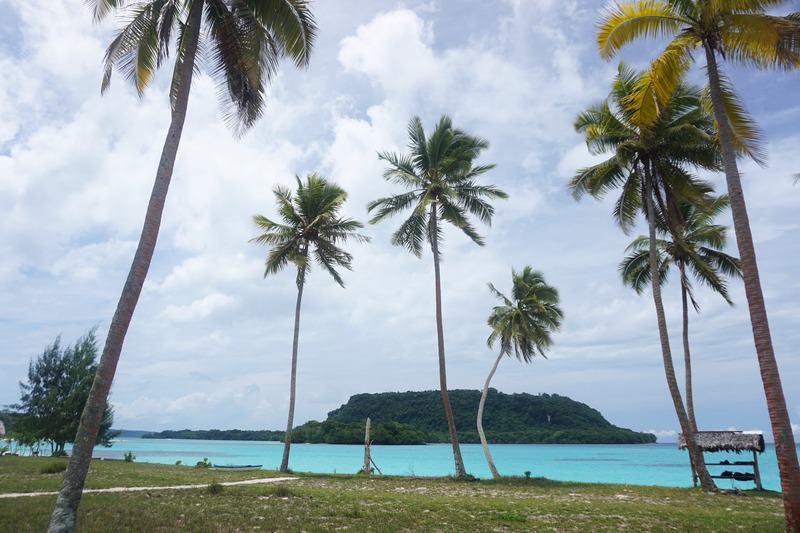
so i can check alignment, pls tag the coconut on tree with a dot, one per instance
(523, 325)
(244, 42)
(651, 164)
(311, 228)
(746, 33)
(440, 177)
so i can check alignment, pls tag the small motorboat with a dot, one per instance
(238, 467)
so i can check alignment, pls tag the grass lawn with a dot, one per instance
(323, 503)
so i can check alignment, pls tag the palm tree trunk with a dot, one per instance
(485, 444)
(687, 359)
(695, 455)
(448, 411)
(287, 441)
(65, 514)
(687, 355)
(785, 449)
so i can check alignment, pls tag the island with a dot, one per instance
(417, 417)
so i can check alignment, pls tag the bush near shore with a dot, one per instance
(322, 503)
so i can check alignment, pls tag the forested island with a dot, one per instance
(418, 418)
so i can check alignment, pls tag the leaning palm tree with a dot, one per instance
(740, 32)
(440, 174)
(522, 324)
(244, 41)
(651, 164)
(697, 249)
(311, 226)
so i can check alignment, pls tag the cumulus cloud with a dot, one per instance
(76, 170)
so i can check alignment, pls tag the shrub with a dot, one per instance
(215, 488)
(129, 457)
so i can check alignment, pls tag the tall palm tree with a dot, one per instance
(311, 225)
(740, 32)
(522, 324)
(699, 250)
(651, 166)
(440, 174)
(245, 40)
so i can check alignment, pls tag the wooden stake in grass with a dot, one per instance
(365, 469)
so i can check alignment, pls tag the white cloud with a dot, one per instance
(76, 170)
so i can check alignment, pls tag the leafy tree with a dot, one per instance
(311, 226)
(510, 418)
(52, 400)
(697, 249)
(440, 175)
(244, 42)
(740, 32)
(522, 325)
(650, 163)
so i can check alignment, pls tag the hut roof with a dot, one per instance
(729, 441)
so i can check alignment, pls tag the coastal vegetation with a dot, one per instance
(321, 503)
(657, 131)
(509, 418)
(311, 229)
(744, 33)
(651, 164)
(440, 174)
(52, 400)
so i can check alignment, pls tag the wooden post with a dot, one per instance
(756, 473)
(366, 468)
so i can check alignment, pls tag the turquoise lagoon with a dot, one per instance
(636, 464)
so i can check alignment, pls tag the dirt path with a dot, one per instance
(139, 489)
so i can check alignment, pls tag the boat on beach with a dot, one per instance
(238, 467)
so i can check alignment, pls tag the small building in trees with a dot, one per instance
(731, 441)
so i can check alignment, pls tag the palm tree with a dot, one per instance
(698, 249)
(440, 175)
(649, 163)
(743, 33)
(522, 324)
(311, 225)
(245, 41)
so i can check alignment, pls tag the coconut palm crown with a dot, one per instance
(523, 324)
(311, 224)
(241, 43)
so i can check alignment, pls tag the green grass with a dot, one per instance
(322, 503)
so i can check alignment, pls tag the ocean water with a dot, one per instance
(637, 464)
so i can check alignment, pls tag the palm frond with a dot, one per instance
(137, 49)
(762, 41)
(290, 26)
(625, 22)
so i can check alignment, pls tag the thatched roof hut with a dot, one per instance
(727, 441)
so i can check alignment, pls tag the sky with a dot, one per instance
(210, 342)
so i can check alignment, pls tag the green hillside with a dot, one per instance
(508, 418)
